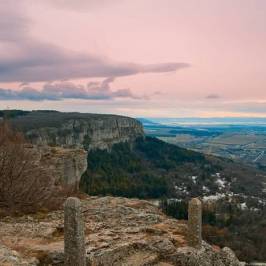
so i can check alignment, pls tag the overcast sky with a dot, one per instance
(153, 58)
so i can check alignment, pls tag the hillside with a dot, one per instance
(150, 168)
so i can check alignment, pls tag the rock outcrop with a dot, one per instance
(119, 231)
(76, 130)
(65, 166)
(60, 141)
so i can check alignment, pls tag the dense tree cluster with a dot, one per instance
(143, 169)
(121, 172)
(151, 168)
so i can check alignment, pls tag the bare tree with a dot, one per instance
(24, 185)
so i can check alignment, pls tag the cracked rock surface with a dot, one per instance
(119, 231)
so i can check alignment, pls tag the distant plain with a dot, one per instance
(240, 139)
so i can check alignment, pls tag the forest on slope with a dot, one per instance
(151, 168)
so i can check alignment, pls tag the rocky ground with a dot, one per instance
(119, 231)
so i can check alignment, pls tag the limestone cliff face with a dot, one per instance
(89, 132)
(65, 166)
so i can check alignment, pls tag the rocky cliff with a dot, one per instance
(60, 140)
(77, 130)
(119, 232)
(64, 165)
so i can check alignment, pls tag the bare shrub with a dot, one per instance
(24, 185)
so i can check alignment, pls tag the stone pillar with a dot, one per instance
(195, 223)
(74, 250)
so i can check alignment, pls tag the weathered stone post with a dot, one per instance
(74, 250)
(195, 223)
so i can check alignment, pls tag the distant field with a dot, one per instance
(244, 142)
(182, 138)
(240, 139)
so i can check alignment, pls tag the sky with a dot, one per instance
(141, 58)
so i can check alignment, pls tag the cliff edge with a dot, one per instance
(60, 141)
(77, 130)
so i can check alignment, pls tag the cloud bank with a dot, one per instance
(67, 90)
(25, 59)
(213, 96)
(81, 5)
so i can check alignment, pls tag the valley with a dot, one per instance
(243, 140)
